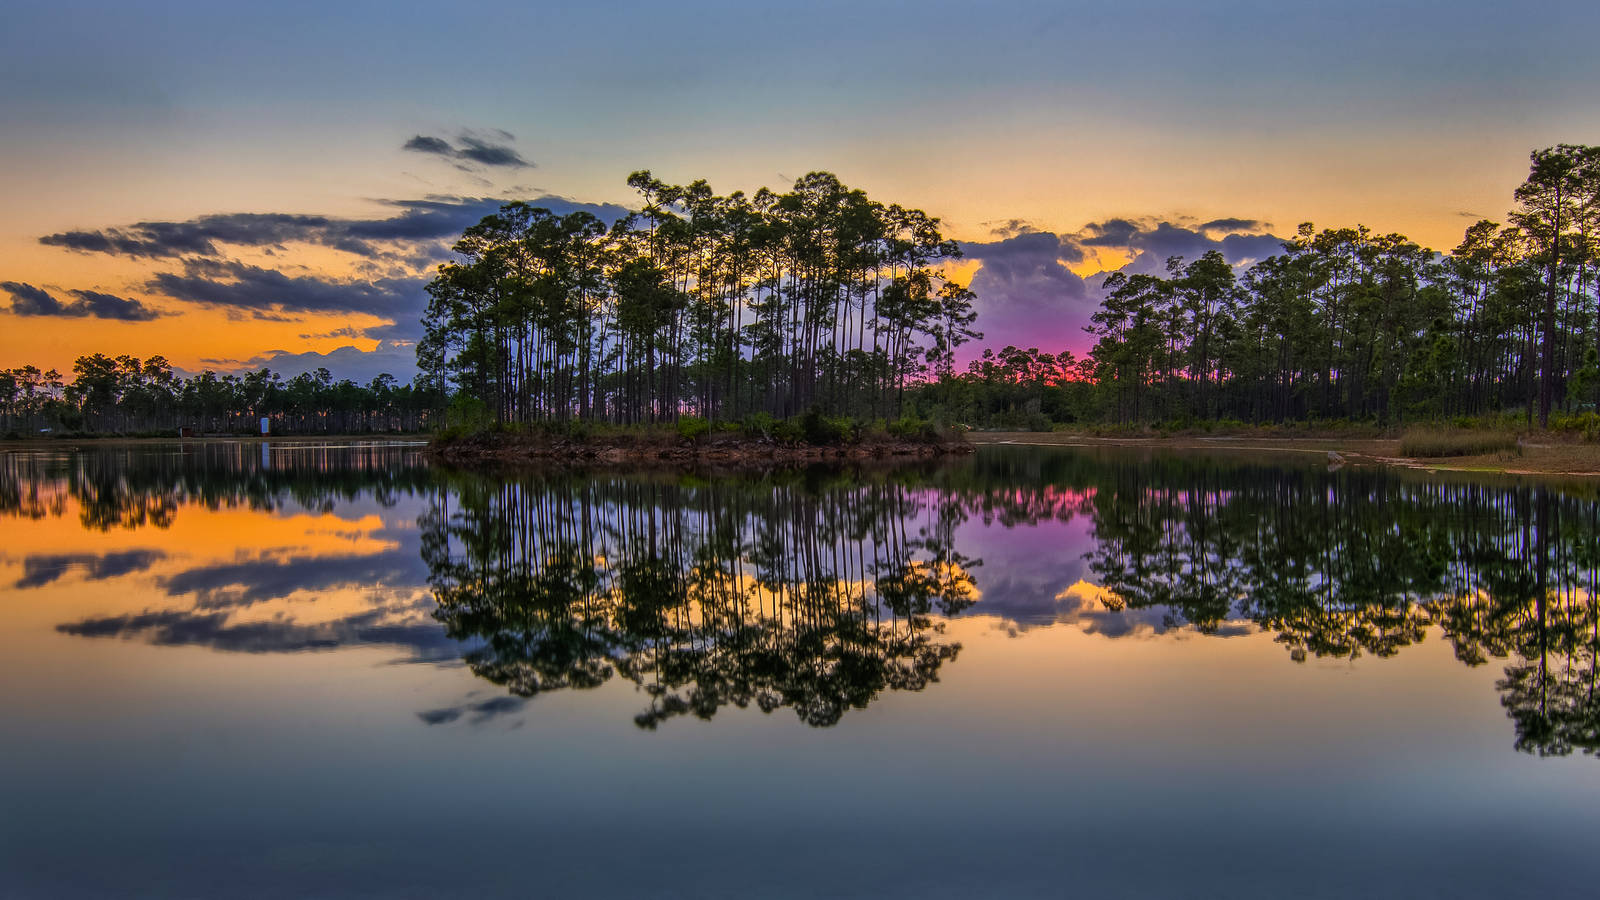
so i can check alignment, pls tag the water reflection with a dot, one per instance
(133, 486)
(822, 591)
(1341, 564)
(814, 595)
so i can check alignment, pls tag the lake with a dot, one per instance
(302, 669)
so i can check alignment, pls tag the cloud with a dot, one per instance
(422, 144)
(1026, 294)
(1006, 228)
(1152, 243)
(388, 358)
(249, 582)
(108, 306)
(240, 286)
(1231, 225)
(485, 149)
(1110, 233)
(481, 711)
(44, 569)
(212, 629)
(429, 219)
(1028, 297)
(198, 236)
(27, 300)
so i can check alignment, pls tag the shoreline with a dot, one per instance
(112, 440)
(1546, 456)
(722, 451)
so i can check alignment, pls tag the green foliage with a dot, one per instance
(911, 428)
(693, 428)
(467, 414)
(759, 425)
(789, 431)
(827, 431)
(1584, 424)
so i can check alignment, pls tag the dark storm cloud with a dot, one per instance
(485, 149)
(240, 286)
(429, 219)
(27, 300)
(44, 569)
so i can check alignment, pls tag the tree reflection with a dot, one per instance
(130, 487)
(804, 592)
(821, 590)
(1360, 561)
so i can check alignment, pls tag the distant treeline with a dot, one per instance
(699, 304)
(1344, 324)
(125, 395)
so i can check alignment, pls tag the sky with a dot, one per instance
(233, 186)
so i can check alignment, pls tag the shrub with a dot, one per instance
(1586, 424)
(693, 428)
(911, 428)
(1430, 443)
(788, 431)
(759, 425)
(466, 415)
(823, 431)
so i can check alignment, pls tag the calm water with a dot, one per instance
(307, 670)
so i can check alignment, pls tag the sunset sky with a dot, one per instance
(233, 186)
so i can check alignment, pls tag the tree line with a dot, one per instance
(1344, 324)
(699, 303)
(126, 395)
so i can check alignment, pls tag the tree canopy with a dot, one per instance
(716, 306)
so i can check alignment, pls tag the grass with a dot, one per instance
(1432, 443)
